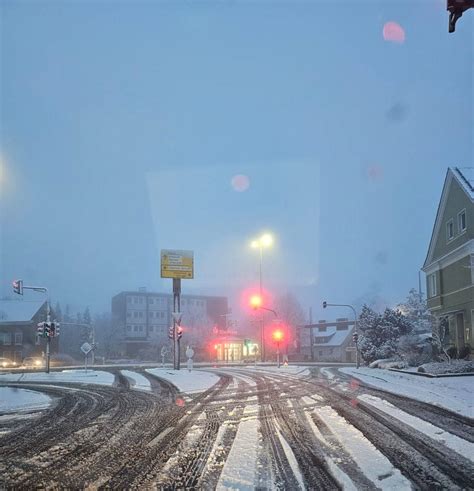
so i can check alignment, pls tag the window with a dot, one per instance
(135, 328)
(18, 338)
(140, 314)
(135, 300)
(150, 300)
(162, 315)
(135, 314)
(432, 286)
(322, 328)
(6, 337)
(129, 314)
(129, 328)
(450, 230)
(151, 328)
(140, 328)
(129, 299)
(462, 221)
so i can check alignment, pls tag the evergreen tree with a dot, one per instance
(380, 333)
(87, 319)
(415, 309)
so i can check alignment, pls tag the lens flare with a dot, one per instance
(393, 32)
(240, 183)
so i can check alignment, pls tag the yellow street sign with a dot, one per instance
(177, 264)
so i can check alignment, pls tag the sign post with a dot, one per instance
(178, 265)
(190, 354)
(86, 348)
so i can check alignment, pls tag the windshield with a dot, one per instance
(236, 244)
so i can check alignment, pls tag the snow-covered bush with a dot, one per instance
(380, 333)
(455, 366)
(388, 363)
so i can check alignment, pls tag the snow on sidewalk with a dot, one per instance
(185, 381)
(457, 444)
(453, 393)
(139, 381)
(73, 376)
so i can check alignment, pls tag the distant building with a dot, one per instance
(18, 329)
(329, 341)
(141, 319)
(449, 264)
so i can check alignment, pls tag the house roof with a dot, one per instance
(466, 179)
(466, 184)
(18, 310)
(336, 338)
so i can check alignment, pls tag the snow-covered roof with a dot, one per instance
(465, 179)
(18, 310)
(332, 336)
(467, 184)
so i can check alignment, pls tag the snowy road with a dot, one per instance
(247, 428)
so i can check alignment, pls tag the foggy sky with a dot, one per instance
(123, 124)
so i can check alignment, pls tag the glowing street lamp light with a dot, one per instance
(256, 301)
(264, 241)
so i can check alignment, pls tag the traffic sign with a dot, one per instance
(177, 264)
(86, 348)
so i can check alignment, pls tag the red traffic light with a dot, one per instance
(278, 335)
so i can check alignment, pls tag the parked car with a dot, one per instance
(32, 362)
(7, 363)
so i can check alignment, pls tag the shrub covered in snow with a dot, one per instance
(455, 366)
(388, 363)
(380, 333)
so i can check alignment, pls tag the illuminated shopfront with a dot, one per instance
(230, 350)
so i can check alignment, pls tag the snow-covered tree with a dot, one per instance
(415, 309)
(380, 333)
(291, 313)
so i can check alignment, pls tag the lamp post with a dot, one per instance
(266, 240)
(356, 333)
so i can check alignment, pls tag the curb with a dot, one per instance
(432, 375)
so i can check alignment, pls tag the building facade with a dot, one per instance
(329, 341)
(141, 319)
(18, 330)
(449, 264)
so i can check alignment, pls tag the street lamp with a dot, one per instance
(356, 333)
(265, 240)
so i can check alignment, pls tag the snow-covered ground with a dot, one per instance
(138, 381)
(453, 393)
(372, 462)
(13, 400)
(457, 444)
(289, 369)
(240, 469)
(185, 381)
(74, 376)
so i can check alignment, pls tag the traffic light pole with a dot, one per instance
(325, 304)
(176, 309)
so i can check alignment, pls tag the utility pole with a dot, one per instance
(311, 334)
